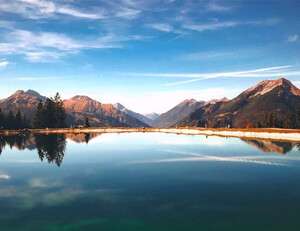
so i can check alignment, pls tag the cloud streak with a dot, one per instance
(278, 71)
(216, 24)
(47, 47)
(195, 157)
(4, 64)
(37, 9)
(293, 38)
(215, 7)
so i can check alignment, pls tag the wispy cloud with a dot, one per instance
(4, 64)
(4, 177)
(161, 26)
(194, 77)
(36, 9)
(127, 13)
(293, 38)
(165, 27)
(215, 7)
(79, 14)
(216, 24)
(257, 73)
(195, 157)
(45, 46)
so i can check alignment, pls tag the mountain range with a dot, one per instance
(251, 106)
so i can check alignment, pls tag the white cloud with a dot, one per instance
(127, 13)
(36, 9)
(4, 177)
(195, 157)
(45, 46)
(4, 64)
(164, 27)
(161, 26)
(210, 26)
(293, 38)
(213, 6)
(256, 73)
(76, 13)
(216, 25)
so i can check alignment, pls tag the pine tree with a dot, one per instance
(287, 123)
(259, 125)
(86, 122)
(298, 118)
(26, 123)
(10, 121)
(18, 120)
(50, 114)
(38, 117)
(60, 111)
(2, 119)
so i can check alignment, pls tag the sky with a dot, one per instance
(148, 55)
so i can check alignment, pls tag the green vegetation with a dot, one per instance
(291, 121)
(50, 114)
(86, 123)
(13, 121)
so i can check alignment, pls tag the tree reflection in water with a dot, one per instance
(51, 147)
(19, 142)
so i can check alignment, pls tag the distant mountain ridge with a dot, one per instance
(182, 110)
(278, 96)
(136, 115)
(152, 116)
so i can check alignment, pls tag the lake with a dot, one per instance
(147, 181)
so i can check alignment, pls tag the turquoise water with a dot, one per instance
(147, 181)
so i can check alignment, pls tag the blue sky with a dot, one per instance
(148, 55)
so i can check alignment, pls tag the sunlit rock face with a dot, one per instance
(279, 96)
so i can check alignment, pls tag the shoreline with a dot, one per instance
(276, 134)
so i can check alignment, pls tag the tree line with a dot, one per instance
(50, 114)
(291, 121)
(11, 121)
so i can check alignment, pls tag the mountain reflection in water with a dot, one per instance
(52, 147)
(272, 146)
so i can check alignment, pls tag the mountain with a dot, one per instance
(25, 101)
(251, 106)
(136, 115)
(78, 107)
(82, 137)
(152, 116)
(177, 113)
(271, 146)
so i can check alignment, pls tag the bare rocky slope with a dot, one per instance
(278, 96)
(77, 108)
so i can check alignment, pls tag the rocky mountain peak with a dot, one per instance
(119, 106)
(266, 86)
(81, 97)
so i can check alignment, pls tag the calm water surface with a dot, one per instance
(147, 181)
